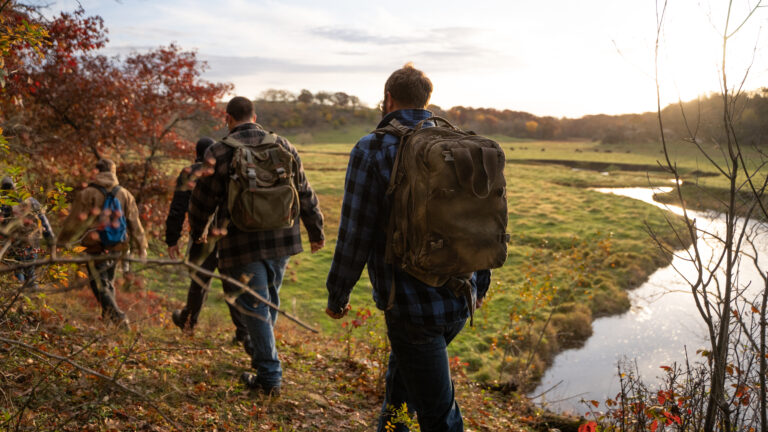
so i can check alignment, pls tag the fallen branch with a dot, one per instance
(186, 263)
(92, 372)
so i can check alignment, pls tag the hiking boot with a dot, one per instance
(179, 318)
(118, 319)
(123, 324)
(249, 380)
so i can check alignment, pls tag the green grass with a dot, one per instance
(350, 134)
(558, 225)
(551, 208)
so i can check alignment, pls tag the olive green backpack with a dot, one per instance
(263, 188)
(449, 204)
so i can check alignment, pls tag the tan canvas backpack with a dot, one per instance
(449, 203)
(263, 188)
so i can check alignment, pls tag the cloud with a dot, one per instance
(441, 35)
(435, 46)
(229, 66)
(151, 32)
(357, 36)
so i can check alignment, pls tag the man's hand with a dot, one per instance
(479, 303)
(173, 252)
(338, 315)
(316, 246)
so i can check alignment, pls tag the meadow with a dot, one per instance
(573, 255)
(574, 252)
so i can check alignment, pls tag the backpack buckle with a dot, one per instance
(448, 155)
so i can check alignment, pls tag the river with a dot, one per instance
(662, 322)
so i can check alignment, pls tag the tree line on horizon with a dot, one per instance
(305, 111)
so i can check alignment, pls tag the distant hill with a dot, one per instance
(314, 118)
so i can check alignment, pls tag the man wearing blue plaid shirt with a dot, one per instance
(421, 319)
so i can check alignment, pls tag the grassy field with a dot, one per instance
(573, 255)
(574, 252)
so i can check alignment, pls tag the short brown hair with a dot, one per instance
(240, 108)
(409, 86)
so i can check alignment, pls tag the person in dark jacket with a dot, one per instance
(186, 318)
(24, 223)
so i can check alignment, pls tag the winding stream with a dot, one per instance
(662, 322)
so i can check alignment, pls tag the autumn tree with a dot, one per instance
(76, 106)
(277, 95)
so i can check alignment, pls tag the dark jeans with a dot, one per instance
(265, 279)
(197, 294)
(102, 278)
(420, 376)
(27, 275)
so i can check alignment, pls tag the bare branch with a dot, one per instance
(92, 372)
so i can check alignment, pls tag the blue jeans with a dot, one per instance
(265, 278)
(419, 375)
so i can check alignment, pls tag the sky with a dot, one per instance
(562, 58)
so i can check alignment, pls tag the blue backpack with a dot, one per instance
(112, 229)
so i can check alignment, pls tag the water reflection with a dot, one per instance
(661, 323)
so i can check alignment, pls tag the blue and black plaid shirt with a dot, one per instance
(362, 238)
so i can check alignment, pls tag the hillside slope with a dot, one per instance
(64, 369)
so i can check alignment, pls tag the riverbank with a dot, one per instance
(713, 199)
(573, 256)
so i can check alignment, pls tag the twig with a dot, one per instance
(92, 372)
(190, 265)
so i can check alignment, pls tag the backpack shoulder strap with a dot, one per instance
(100, 188)
(228, 140)
(395, 128)
(104, 191)
(111, 193)
(269, 138)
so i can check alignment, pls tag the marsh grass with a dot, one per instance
(551, 209)
(573, 254)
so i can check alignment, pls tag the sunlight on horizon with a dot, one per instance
(561, 58)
